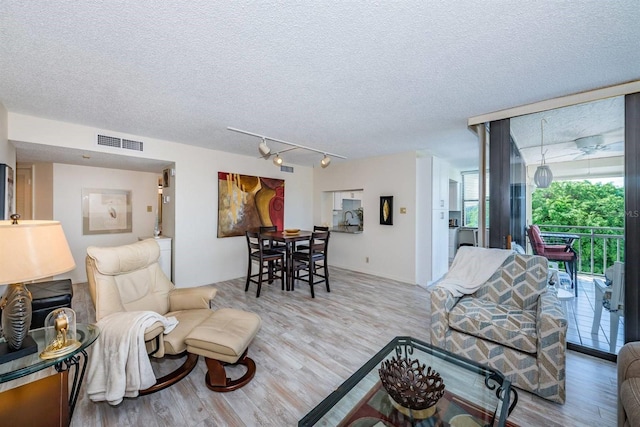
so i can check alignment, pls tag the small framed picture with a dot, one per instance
(166, 178)
(386, 210)
(106, 211)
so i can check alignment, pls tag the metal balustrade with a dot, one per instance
(592, 237)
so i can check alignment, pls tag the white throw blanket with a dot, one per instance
(471, 268)
(119, 365)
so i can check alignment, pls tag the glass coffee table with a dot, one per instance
(475, 395)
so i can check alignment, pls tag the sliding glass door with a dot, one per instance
(592, 150)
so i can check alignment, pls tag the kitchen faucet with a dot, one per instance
(344, 219)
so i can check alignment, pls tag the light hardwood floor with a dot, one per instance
(308, 347)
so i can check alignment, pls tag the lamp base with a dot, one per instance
(7, 354)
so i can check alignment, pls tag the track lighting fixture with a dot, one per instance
(326, 161)
(265, 151)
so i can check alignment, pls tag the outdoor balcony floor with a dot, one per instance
(580, 314)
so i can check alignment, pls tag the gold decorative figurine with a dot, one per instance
(60, 333)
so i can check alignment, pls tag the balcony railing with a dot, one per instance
(603, 245)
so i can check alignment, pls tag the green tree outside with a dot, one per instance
(572, 204)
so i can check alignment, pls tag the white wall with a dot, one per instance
(391, 249)
(203, 254)
(199, 256)
(69, 180)
(7, 151)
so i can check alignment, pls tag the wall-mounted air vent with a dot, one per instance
(109, 141)
(132, 145)
(115, 142)
(286, 169)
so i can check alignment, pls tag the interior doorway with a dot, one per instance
(24, 192)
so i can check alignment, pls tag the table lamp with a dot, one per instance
(29, 250)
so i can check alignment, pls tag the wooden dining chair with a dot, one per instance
(272, 244)
(315, 228)
(313, 260)
(270, 262)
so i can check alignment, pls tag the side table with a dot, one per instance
(31, 396)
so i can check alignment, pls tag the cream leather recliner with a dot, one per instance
(129, 278)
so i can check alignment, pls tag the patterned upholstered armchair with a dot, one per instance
(510, 323)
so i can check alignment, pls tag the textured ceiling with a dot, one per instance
(357, 78)
(594, 129)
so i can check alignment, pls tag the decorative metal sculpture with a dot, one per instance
(409, 386)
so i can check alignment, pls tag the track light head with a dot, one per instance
(326, 161)
(264, 150)
(277, 160)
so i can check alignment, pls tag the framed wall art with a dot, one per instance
(246, 202)
(166, 178)
(106, 211)
(386, 210)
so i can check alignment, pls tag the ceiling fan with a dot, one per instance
(589, 145)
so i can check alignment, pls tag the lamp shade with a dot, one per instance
(31, 250)
(543, 176)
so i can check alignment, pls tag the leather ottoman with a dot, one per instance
(46, 297)
(223, 339)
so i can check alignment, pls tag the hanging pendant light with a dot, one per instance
(543, 176)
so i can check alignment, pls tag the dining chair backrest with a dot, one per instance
(254, 242)
(320, 228)
(537, 244)
(319, 242)
(269, 242)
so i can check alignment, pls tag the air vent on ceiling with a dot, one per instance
(115, 142)
(286, 169)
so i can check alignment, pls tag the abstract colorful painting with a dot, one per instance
(247, 202)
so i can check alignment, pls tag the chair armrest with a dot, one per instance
(551, 330)
(628, 362)
(442, 301)
(191, 298)
(557, 248)
(628, 367)
(551, 317)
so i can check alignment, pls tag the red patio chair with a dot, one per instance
(563, 253)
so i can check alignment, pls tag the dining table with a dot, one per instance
(289, 239)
